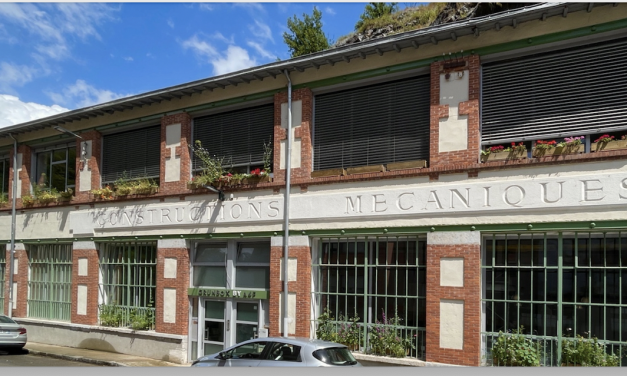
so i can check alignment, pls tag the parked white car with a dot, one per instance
(12, 334)
(281, 352)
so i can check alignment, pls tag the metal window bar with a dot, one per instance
(50, 281)
(558, 286)
(128, 280)
(376, 278)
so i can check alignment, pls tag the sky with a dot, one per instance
(56, 57)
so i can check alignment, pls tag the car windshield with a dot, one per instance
(6, 320)
(339, 356)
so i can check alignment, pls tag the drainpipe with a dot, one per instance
(13, 201)
(286, 209)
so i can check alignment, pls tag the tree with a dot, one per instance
(374, 11)
(306, 35)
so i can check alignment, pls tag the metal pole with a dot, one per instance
(13, 203)
(286, 214)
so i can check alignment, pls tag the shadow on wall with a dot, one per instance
(96, 344)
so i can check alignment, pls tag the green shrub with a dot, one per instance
(326, 327)
(110, 315)
(586, 352)
(515, 350)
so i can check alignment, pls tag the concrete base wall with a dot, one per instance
(166, 347)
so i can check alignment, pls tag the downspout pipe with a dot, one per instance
(13, 221)
(286, 209)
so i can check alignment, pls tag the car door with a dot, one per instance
(248, 354)
(282, 354)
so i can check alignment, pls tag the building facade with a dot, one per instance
(401, 202)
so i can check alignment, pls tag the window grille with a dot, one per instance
(128, 272)
(373, 278)
(3, 269)
(570, 92)
(50, 281)
(371, 125)
(237, 136)
(57, 168)
(131, 154)
(556, 285)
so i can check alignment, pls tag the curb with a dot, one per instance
(77, 358)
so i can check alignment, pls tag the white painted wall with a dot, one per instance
(85, 173)
(453, 131)
(452, 324)
(172, 164)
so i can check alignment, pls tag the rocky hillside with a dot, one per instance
(413, 18)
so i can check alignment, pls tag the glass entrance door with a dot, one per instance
(213, 326)
(246, 321)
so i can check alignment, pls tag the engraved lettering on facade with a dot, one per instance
(398, 201)
(433, 199)
(253, 209)
(486, 201)
(587, 188)
(353, 206)
(623, 184)
(464, 200)
(544, 195)
(274, 209)
(235, 214)
(378, 205)
(508, 199)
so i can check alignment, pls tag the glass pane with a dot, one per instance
(499, 252)
(247, 312)
(213, 276)
(596, 251)
(597, 285)
(568, 286)
(214, 309)
(525, 252)
(551, 252)
(210, 348)
(58, 155)
(538, 252)
(252, 277)
(612, 288)
(568, 251)
(582, 252)
(258, 252)
(422, 253)
(43, 169)
(58, 177)
(71, 167)
(211, 253)
(487, 258)
(244, 332)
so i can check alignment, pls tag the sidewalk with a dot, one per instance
(96, 357)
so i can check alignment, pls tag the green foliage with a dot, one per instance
(586, 352)
(411, 18)
(28, 200)
(515, 350)
(326, 327)
(212, 167)
(125, 186)
(4, 199)
(348, 332)
(110, 315)
(267, 156)
(142, 319)
(386, 338)
(374, 11)
(44, 195)
(306, 35)
(104, 193)
(67, 195)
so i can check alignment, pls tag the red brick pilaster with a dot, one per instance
(180, 152)
(302, 288)
(91, 164)
(5, 286)
(90, 281)
(24, 174)
(180, 283)
(470, 293)
(470, 108)
(302, 131)
(21, 278)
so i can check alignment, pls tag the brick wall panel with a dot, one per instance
(180, 283)
(91, 280)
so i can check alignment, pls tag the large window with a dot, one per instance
(56, 168)
(556, 286)
(237, 136)
(132, 154)
(244, 265)
(560, 93)
(128, 274)
(372, 125)
(374, 278)
(50, 281)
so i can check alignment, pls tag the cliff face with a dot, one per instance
(410, 19)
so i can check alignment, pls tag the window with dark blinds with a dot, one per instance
(238, 135)
(135, 153)
(571, 92)
(377, 124)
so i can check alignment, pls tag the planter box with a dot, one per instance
(502, 156)
(144, 191)
(612, 145)
(554, 152)
(329, 172)
(405, 165)
(365, 169)
(257, 179)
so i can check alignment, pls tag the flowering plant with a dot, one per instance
(623, 137)
(256, 173)
(571, 141)
(605, 138)
(517, 147)
(541, 144)
(104, 193)
(386, 337)
(493, 149)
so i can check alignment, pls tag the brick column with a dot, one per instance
(461, 78)
(175, 170)
(454, 298)
(85, 267)
(172, 302)
(20, 278)
(5, 286)
(24, 172)
(88, 175)
(302, 115)
(299, 286)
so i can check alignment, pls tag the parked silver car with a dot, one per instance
(12, 334)
(281, 352)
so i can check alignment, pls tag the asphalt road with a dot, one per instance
(24, 359)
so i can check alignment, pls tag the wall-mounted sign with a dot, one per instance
(228, 293)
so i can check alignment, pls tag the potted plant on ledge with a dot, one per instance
(570, 145)
(607, 142)
(499, 152)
